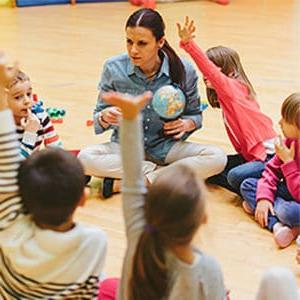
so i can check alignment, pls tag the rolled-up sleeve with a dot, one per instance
(192, 109)
(105, 85)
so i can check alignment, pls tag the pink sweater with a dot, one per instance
(247, 127)
(277, 170)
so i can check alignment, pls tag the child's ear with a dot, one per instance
(84, 196)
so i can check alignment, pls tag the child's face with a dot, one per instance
(20, 99)
(289, 130)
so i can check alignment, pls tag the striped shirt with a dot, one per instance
(46, 135)
(38, 263)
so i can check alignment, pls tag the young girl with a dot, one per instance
(275, 198)
(249, 130)
(33, 129)
(160, 261)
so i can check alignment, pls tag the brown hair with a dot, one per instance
(173, 213)
(229, 61)
(290, 109)
(152, 20)
(51, 184)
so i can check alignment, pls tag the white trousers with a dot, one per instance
(103, 160)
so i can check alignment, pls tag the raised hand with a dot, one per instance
(283, 152)
(130, 105)
(186, 32)
(6, 73)
(6, 76)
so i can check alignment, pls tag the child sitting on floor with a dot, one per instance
(33, 129)
(275, 198)
(44, 254)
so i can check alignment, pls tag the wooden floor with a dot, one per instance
(63, 48)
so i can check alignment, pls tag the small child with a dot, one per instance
(33, 129)
(275, 198)
(228, 87)
(160, 261)
(44, 254)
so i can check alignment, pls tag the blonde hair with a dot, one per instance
(229, 61)
(290, 109)
(20, 77)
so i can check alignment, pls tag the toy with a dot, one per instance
(168, 102)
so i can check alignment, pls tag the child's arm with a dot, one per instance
(50, 136)
(290, 169)
(132, 157)
(266, 189)
(30, 125)
(10, 203)
(221, 83)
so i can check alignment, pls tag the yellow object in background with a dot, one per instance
(5, 3)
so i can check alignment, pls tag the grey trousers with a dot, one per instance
(103, 160)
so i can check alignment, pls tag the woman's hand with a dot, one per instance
(283, 152)
(179, 127)
(262, 210)
(129, 105)
(186, 32)
(110, 116)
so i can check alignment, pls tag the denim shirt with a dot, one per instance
(119, 74)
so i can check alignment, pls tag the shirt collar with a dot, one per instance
(131, 69)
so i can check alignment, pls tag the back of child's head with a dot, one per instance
(290, 109)
(174, 210)
(19, 77)
(51, 185)
(228, 60)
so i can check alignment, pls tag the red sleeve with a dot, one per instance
(291, 172)
(267, 185)
(225, 87)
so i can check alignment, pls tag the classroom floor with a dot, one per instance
(62, 48)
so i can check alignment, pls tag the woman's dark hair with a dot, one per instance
(229, 61)
(173, 213)
(152, 20)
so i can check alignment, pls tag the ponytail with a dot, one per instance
(149, 279)
(177, 70)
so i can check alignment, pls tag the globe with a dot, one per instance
(168, 102)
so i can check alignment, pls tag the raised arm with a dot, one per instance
(221, 83)
(10, 203)
(132, 157)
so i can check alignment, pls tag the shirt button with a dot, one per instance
(148, 120)
(148, 106)
(145, 139)
(146, 127)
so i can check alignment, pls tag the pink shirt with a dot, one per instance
(247, 127)
(275, 171)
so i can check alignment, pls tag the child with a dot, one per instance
(44, 254)
(275, 198)
(33, 129)
(249, 130)
(160, 261)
